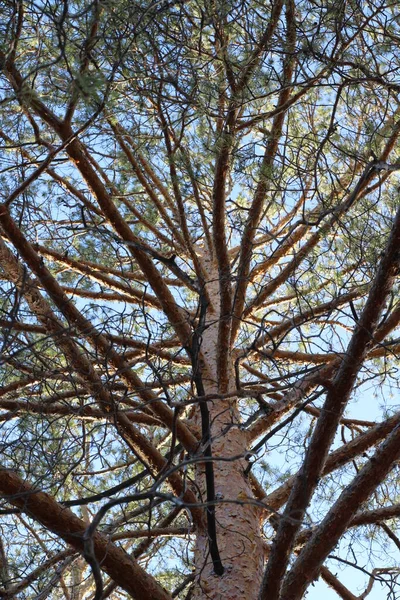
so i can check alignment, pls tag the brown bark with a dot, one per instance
(238, 521)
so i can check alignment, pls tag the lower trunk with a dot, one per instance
(238, 521)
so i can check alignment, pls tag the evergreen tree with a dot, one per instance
(199, 259)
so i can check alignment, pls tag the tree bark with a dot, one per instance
(237, 516)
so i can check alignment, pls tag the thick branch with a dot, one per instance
(336, 400)
(112, 559)
(327, 534)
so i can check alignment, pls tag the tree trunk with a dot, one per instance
(237, 519)
(238, 523)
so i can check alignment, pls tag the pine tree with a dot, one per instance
(199, 259)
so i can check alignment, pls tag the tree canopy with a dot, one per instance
(199, 298)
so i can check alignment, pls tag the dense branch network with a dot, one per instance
(199, 262)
